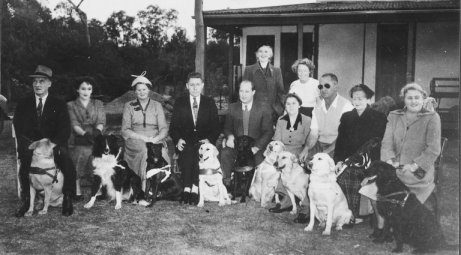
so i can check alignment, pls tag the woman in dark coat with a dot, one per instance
(355, 129)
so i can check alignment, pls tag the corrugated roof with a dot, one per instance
(343, 6)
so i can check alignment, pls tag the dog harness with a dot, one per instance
(44, 171)
(210, 171)
(395, 201)
(166, 169)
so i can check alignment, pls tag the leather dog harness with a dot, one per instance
(395, 201)
(210, 171)
(166, 169)
(44, 171)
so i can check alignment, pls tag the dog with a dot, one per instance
(411, 222)
(45, 177)
(327, 201)
(121, 182)
(294, 179)
(211, 186)
(266, 177)
(244, 166)
(162, 183)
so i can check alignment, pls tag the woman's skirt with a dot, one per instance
(350, 181)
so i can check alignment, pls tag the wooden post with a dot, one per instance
(230, 66)
(199, 39)
(1, 39)
(300, 40)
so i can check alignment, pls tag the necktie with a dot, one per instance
(246, 120)
(195, 109)
(39, 108)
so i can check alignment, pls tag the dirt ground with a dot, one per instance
(169, 228)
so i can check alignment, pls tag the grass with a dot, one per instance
(169, 228)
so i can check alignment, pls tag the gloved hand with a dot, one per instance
(89, 138)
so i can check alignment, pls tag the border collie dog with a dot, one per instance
(111, 172)
(162, 183)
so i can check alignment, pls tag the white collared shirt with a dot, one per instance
(192, 105)
(249, 105)
(347, 107)
(37, 100)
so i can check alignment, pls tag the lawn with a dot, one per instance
(169, 228)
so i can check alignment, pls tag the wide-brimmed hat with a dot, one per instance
(42, 71)
(141, 79)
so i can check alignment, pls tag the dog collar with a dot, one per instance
(210, 171)
(44, 171)
(395, 201)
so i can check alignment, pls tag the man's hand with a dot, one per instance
(303, 155)
(338, 166)
(180, 144)
(254, 150)
(230, 142)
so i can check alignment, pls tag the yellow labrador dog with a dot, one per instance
(266, 177)
(327, 200)
(45, 177)
(294, 179)
(211, 186)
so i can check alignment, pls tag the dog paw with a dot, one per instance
(309, 228)
(42, 212)
(118, 206)
(28, 213)
(326, 233)
(143, 203)
(339, 227)
(200, 204)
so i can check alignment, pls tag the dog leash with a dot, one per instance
(155, 171)
(44, 171)
(395, 201)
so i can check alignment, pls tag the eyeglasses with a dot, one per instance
(327, 86)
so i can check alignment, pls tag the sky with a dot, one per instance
(102, 9)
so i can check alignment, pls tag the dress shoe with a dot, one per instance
(67, 208)
(23, 208)
(193, 200)
(302, 218)
(185, 197)
(277, 209)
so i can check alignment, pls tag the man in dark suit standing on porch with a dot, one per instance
(194, 121)
(43, 116)
(247, 117)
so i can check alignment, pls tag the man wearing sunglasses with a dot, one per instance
(325, 118)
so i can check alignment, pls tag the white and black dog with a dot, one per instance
(120, 181)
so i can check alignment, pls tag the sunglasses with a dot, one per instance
(327, 86)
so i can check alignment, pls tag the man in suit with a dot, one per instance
(43, 116)
(194, 121)
(247, 117)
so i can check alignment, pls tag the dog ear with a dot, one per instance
(33, 145)
(50, 143)
(215, 151)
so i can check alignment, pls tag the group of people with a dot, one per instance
(311, 118)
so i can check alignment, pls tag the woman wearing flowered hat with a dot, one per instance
(143, 121)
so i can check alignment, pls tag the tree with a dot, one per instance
(154, 23)
(119, 29)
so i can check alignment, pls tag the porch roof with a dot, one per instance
(333, 12)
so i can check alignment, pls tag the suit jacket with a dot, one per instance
(54, 123)
(269, 89)
(259, 126)
(182, 122)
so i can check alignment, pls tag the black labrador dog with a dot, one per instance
(163, 184)
(244, 166)
(411, 222)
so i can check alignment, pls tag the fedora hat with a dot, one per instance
(42, 71)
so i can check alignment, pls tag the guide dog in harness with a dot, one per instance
(44, 176)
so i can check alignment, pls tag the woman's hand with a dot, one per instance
(338, 166)
(303, 156)
(180, 144)
(410, 167)
(392, 163)
(254, 150)
(230, 142)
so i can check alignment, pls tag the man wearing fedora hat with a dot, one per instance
(43, 116)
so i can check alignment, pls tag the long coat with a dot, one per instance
(54, 123)
(269, 88)
(259, 126)
(355, 130)
(413, 142)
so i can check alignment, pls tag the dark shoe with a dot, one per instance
(193, 199)
(79, 198)
(277, 209)
(23, 208)
(67, 208)
(376, 233)
(185, 197)
(302, 218)
(349, 225)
